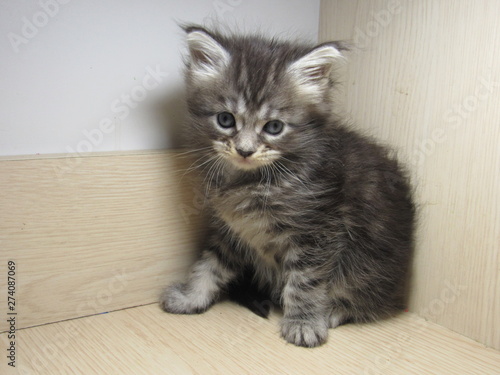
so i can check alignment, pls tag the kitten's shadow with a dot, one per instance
(170, 111)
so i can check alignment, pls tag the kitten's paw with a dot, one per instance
(176, 299)
(304, 332)
(336, 319)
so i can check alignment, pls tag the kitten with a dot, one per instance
(318, 217)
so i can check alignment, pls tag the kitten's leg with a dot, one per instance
(208, 277)
(306, 310)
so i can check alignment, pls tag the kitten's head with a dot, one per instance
(253, 101)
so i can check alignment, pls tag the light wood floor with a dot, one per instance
(228, 339)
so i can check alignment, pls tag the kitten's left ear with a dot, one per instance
(311, 73)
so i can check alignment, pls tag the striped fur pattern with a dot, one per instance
(306, 211)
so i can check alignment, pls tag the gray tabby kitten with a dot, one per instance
(304, 210)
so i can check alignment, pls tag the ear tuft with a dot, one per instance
(312, 71)
(207, 57)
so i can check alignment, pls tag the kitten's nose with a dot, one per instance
(245, 154)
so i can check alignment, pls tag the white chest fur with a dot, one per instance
(252, 222)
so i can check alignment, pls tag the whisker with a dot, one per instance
(189, 152)
(193, 166)
(293, 176)
(217, 161)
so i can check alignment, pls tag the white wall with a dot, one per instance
(81, 76)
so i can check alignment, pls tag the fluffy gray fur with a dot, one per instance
(318, 217)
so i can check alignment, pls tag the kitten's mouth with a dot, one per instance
(243, 160)
(245, 163)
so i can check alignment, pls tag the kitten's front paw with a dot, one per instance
(176, 299)
(304, 333)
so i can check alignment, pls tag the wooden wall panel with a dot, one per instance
(102, 232)
(424, 77)
(94, 234)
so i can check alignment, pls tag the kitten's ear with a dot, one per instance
(207, 57)
(311, 73)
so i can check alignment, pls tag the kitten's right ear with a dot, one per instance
(207, 58)
(311, 73)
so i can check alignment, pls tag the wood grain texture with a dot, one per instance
(230, 340)
(425, 78)
(94, 234)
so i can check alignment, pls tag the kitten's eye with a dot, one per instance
(274, 127)
(226, 120)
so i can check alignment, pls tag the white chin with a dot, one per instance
(245, 164)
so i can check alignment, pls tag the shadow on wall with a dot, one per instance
(171, 112)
